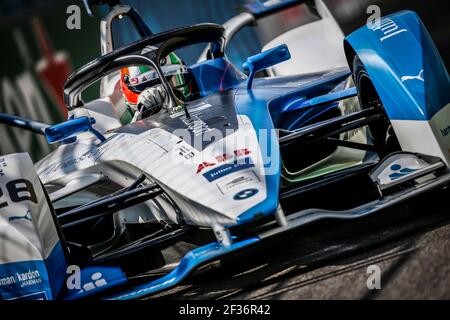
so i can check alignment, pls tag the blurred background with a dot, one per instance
(39, 52)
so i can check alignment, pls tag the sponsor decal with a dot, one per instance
(388, 28)
(26, 216)
(204, 165)
(23, 280)
(230, 184)
(185, 152)
(399, 171)
(195, 124)
(228, 168)
(193, 110)
(245, 194)
(91, 155)
(150, 75)
(222, 158)
(418, 77)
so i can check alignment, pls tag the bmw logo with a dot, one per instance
(245, 194)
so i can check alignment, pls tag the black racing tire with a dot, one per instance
(381, 131)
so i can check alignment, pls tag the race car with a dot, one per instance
(122, 210)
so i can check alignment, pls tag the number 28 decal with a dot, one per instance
(19, 190)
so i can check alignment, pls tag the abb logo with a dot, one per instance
(222, 158)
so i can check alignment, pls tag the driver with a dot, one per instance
(143, 91)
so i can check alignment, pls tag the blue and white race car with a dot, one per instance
(125, 210)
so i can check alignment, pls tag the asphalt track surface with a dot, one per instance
(329, 260)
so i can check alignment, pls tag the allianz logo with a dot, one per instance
(445, 132)
(388, 28)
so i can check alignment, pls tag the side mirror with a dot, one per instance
(70, 129)
(265, 60)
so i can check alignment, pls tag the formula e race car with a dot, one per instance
(122, 210)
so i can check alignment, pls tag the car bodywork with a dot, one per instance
(249, 153)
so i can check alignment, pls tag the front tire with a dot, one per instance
(381, 131)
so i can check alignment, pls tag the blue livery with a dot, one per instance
(399, 53)
(312, 131)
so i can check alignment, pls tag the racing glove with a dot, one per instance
(151, 100)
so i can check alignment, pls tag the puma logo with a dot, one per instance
(418, 77)
(27, 217)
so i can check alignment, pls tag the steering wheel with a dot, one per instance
(148, 52)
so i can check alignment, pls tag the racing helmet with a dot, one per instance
(135, 79)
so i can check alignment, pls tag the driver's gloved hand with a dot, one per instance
(151, 100)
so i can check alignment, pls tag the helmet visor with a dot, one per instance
(142, 78)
